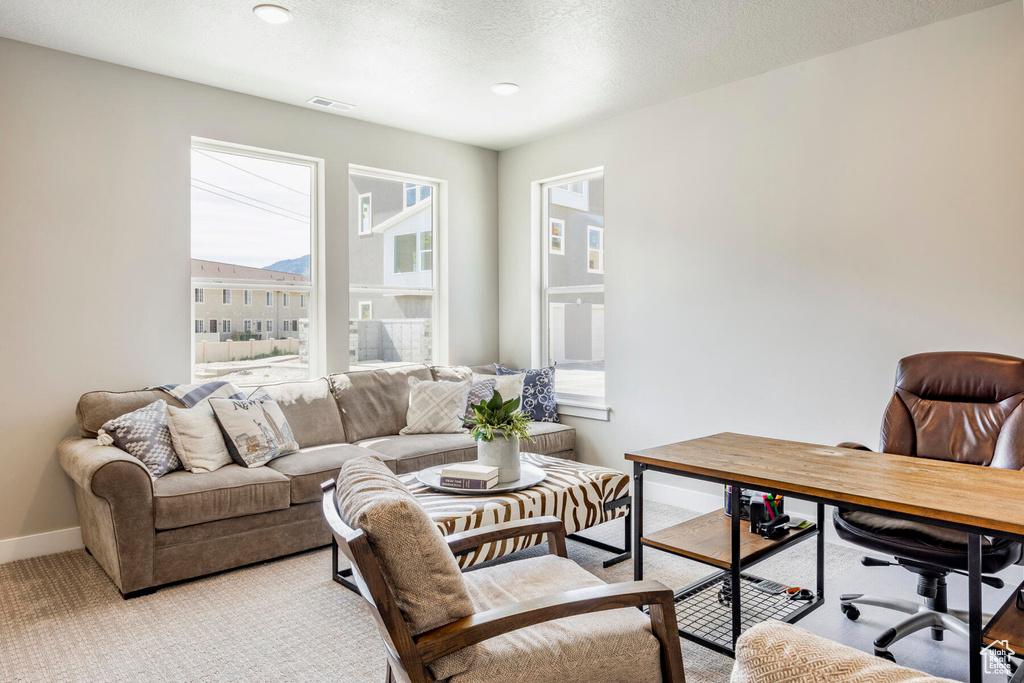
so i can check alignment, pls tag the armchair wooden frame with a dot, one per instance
(408, 655)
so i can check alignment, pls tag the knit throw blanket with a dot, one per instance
(191, 395)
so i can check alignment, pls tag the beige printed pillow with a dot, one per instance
(197, 438)
(436, 407)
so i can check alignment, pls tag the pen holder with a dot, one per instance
(773, 505)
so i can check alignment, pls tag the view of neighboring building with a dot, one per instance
(574, 284)
(247, 305)
(391, 270)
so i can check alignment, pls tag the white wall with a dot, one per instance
(775, 245)
(94, 242)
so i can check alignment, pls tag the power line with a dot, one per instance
(281, 208)
(245, 170)
(299, 220)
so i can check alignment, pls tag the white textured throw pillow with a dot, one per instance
(509, 386)
(255, 430)
(197, 438)
(436, 407)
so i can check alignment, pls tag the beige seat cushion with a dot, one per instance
(375, 402)
(182, 498)
(310, 467)
(414, 452)
(773, 652)
(612, 646)
(413, 556)
(311, 411)
(550, 437)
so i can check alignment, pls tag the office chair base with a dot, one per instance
(920, 617)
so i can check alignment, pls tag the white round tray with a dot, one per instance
(529, 475)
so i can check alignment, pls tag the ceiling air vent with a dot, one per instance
(330, 104)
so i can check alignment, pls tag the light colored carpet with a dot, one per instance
(61, 618)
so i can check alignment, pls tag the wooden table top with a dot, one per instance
(980, 497)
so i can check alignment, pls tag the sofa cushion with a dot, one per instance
(97, 407)
(182, 498)
(310, 467)
(375, 402)
(611, 646)
(414, 452)
(774, 652)
(550, 437)
(311, 411)
(414, 559)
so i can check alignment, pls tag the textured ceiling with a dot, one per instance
(426, 65)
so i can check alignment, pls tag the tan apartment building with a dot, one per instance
(242, 302)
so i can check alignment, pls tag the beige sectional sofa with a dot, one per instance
(147, 533)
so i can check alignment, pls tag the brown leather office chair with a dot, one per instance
(961, 407)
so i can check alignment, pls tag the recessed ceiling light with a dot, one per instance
(272, 14)
(504, 89)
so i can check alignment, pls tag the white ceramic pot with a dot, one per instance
(501, 453)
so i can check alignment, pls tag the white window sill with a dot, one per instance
(588, 410)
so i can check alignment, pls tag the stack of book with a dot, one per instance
(469, 475)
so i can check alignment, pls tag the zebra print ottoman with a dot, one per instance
(581, 495)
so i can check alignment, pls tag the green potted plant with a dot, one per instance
(498, 426)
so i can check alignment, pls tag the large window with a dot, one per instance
(393, 298)
(255, 222)
(572, 285)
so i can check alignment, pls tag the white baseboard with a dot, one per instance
(23, 547)
(703, 502)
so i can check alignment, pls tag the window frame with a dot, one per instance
(286, 300)
(369, 305)
(551, 236)
(247, 297)
(199, 296)
(268, 298)
(580, 405)
(225, 296)
(316, 287)
(270, 325)
(303, 301)
(225, 326)
(359, 210)
(200, 326)
(600, 250)
(439, 255)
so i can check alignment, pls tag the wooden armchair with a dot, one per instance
(410, 656)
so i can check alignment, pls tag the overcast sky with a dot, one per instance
(247, 211)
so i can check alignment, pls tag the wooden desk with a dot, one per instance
(976, 500)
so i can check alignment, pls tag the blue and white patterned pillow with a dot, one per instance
(538, 392)
(143, 433)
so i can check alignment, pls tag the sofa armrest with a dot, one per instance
(114, 493)
(82, 458)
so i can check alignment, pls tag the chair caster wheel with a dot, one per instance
(851, 612)
(885, 654)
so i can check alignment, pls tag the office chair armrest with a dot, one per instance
(475, 628)
(854, 445)
(468, 541)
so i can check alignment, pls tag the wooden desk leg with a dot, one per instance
(974, 605)
(636, 511)
(735, 564)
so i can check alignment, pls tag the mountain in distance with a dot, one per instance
(298, 265)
